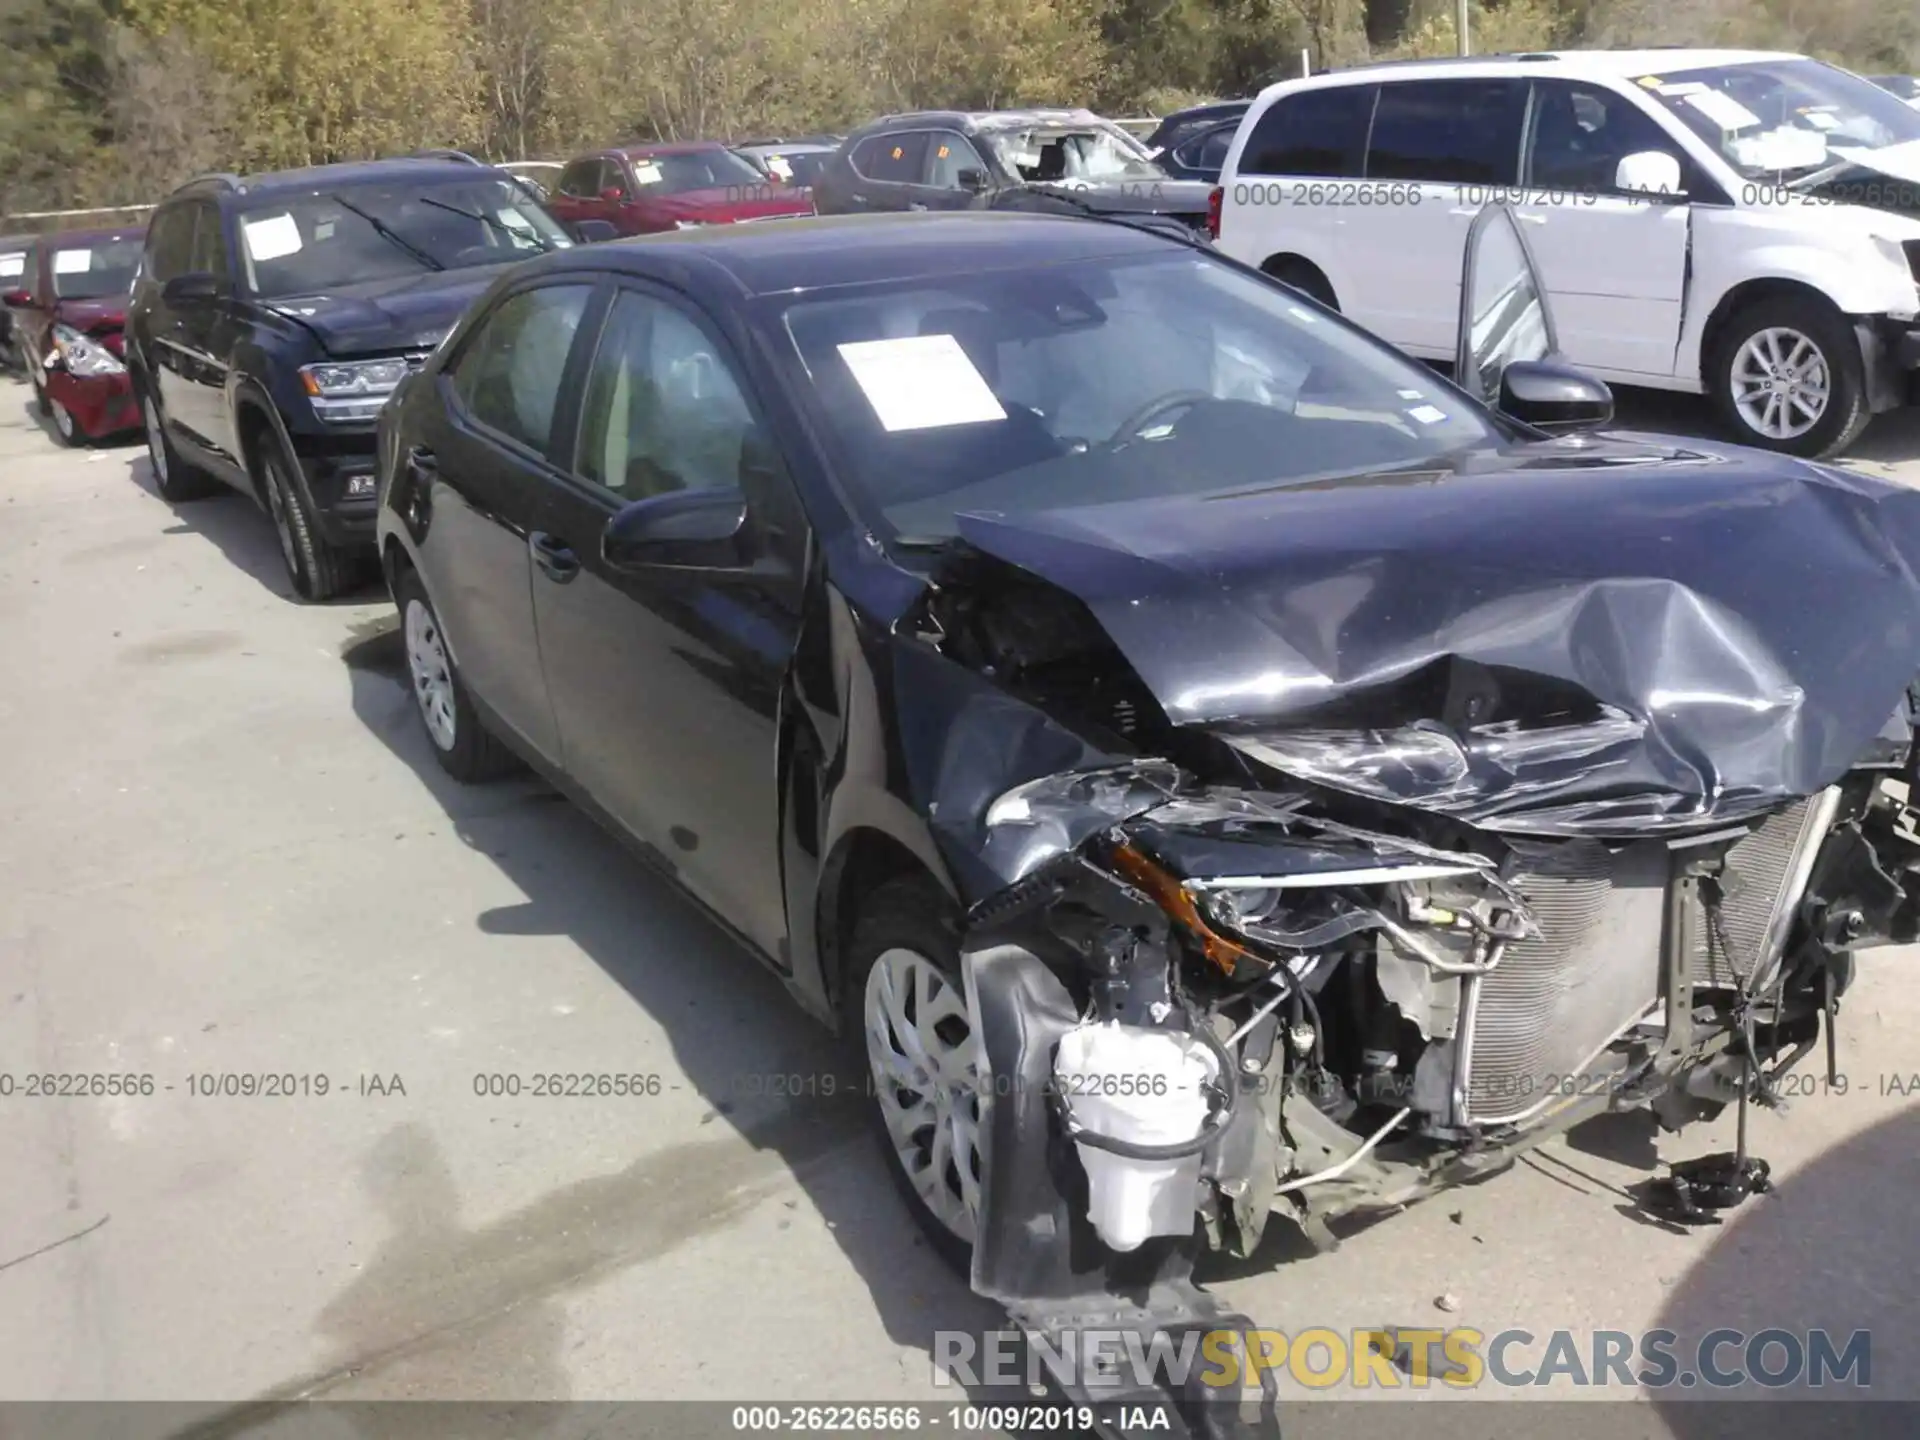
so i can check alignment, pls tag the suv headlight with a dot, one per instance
(349, 390)
(81, 356)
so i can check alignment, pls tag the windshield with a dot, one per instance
(714, 169)
(1781, 119)
(332, 238)
(1105, 380)
(95, 271)
(1089, 153)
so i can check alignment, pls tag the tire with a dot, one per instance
(1818, 358)
(463, 745)
(319, 570)
(65, 427)
(173, 478)
(903, 925)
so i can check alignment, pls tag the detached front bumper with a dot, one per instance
(101, 405)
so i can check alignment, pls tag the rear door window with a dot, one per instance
(1459, 132)
(508, 373)
(1314, 133)
(892, 159)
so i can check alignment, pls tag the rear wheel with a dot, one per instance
(904, 1016)
(173, 477)
(1304, 276)
(1786, 375)
(464, 746)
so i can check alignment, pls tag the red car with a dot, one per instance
(69, 310)
(645, 189)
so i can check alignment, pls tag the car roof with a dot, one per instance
(351, 172)
(72, 238)
(983, 119)
(819, 252)
(1222, 108)
(1610, 64)
(787, 147)
(665, 147)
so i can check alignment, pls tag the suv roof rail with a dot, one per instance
(1532, 55)
(459, 156)
(226, 180)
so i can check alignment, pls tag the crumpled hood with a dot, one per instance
(410, 312)
(1633, 641)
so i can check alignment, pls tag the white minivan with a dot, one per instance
(1740, 223)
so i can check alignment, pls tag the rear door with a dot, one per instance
(484, 460)
(200, 343)
(888, 170)
(666, 680)
(1615, 263)
(1438, 151)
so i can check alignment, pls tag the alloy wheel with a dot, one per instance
(926, 1076)
(63, 421)
(1781, 384)
(432, 674)
(156, 440)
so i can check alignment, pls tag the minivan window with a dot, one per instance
(93, 271)
(1785, 119)
(1581, 133)
(313, 242)
(1314, 133)
(1458, 132)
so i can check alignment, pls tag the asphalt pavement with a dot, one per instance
(225, 851)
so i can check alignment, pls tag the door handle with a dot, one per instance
(553, 556)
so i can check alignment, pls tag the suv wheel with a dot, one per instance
(1786, 375)
(319, 570)
(172, 477)
(465, 748)
(904, 1017)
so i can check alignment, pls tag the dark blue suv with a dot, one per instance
(274, 315)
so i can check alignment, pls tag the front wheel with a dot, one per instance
(65, 426)
(1787, 375)
(904, 1015)
(319, 569)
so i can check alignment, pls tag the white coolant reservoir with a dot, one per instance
(1143, 1088)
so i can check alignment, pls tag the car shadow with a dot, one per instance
(241, 531)
(496, 1292)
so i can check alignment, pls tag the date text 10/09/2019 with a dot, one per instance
(198, 1084)
(910, 1417)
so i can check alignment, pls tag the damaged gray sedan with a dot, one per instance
(1215, 772)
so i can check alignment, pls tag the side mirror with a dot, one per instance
(198, 288)
(1504, 316)
(972, 179)
(691, 528)
(15, 299)
(1648, 172)
(1553, 397)
(589, 232)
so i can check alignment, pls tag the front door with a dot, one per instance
(667, 679)
(486, 467)
(949, 156)
(1614, 262)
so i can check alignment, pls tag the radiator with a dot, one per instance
(1765, 874)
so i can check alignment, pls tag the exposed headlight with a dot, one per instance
(81, 356)
(351, 390)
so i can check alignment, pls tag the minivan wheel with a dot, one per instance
(463, 745)
(904, 1018)
(173, 478)
(1786, 375)
(318, 569)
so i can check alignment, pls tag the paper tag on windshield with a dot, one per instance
(72, 262)
(921, 382)
(1723, 110)
(271, 238)
(1428, 414)
(13, 264)
(646, 172)
(514, 220)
